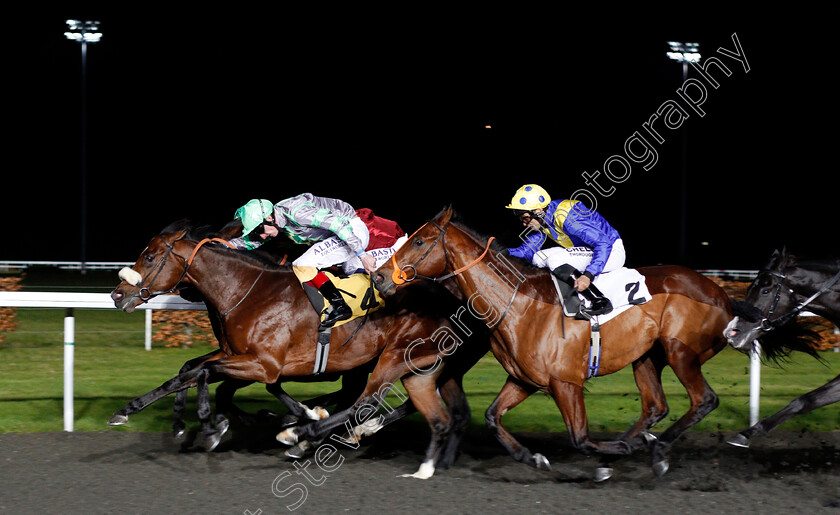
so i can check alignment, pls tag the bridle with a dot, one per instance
(399, 276)
(145, 293)
(767, 323)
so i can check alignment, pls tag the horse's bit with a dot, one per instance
(766, 324)
(399, 276)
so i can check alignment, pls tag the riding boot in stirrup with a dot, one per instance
(598, 303)
(340, 310)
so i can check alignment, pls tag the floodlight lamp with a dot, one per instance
(83, 31)
(684, 51)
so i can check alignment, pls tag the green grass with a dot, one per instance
(112, 368)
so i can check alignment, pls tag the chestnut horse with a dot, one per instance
(541, 350)
(270, 328)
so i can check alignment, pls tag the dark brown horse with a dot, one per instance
(783, 289)
(352, 382)
(270, 329)
(543, 351)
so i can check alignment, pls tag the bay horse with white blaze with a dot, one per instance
(782, 290)
(681, 326)
(269, 331)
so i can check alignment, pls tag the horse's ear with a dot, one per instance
(445, 216)
(174, 236)
(232, 229)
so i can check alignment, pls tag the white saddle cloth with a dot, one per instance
(624, 287)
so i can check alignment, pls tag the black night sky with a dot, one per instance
(192, 112)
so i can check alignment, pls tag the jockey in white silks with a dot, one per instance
(336, 233)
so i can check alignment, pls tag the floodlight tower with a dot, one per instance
(684, 53)
(83, 32)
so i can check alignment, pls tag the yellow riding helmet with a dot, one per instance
(528, 197)
(253, 214)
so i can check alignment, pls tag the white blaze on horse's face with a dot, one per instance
(740, 334)
(130, 276)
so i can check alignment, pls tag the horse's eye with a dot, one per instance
(148, 258)
(418, 243)
(765, 291)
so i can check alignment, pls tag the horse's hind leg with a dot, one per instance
(509, 397)
(297, 409)
(180, 403)
(647, 372)
(824, 395)
(686, 366)
(212, 435)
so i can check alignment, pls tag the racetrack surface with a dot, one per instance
(122, 472)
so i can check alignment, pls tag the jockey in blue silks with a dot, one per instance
(589, 245)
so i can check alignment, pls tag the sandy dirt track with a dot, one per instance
(121, 472)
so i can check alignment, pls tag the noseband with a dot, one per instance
(399, 275)
(767, 323)
(145, 294)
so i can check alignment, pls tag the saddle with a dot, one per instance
(624, 287)
(362, 299)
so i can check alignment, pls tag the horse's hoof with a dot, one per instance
(211, 441)
(287, 437)
(222, 424)
(649, 437)
(118, 420)
(298, 451)
(660, 468)
(178, 434)
(603, 473)
(426, 470)
(264, 413)
(541, 462)
(289, 420)
(317, 413)
(739, 440)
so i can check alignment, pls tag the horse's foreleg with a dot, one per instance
(569, 398)
(824, 395)
(453, 394)
(648, 375)
(509, 397)
(177, 383)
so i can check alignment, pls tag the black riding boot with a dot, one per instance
(340, 310)
(567, 288)
(599, 304)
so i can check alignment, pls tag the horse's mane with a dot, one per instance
(197, 232)
(783, 259)
(528, 268)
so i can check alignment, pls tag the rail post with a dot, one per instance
(69, 349)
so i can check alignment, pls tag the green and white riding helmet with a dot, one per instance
(253, 214)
